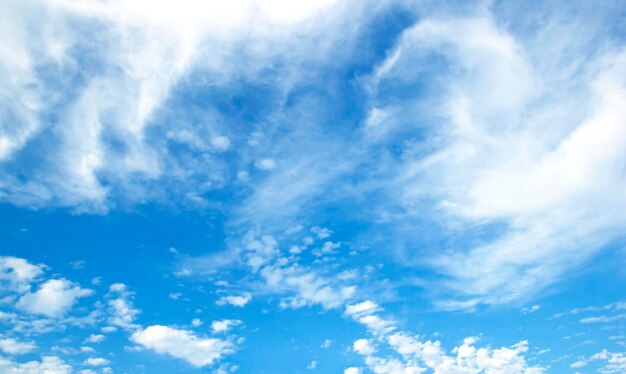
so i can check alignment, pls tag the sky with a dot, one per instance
(313, 186)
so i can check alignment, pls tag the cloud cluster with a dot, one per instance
(417, 355)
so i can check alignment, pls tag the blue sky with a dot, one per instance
(316, 186)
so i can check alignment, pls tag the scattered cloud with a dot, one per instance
(234, 300)
(182, 344)
(224, 325)
(53, 298)
(15, 347)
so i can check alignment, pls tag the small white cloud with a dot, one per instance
(108, 329)
(182, 344)
(224, 325)
(531, 309)
(364, 308)
(48, 364)
(53, 298)
(238, 301)
(77, 265)
(326, 343)
(327, 248)
(15, 347)
(96, 361)
(312, 365)
(220, 143)
(175, 295)
(364, 347)
(321, 232)
(196, 322)
(120, 306)
(265, 164)
(18, 272)
(352, 370)
(95, 338)
(243, 176)
(295, 249)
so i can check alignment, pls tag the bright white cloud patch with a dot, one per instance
(47, 365)
(15, 347)
(18, 273)
(120, 305)
(53, 298)
(224, 325)
(96, 361)
(182, 344)
(235, 300)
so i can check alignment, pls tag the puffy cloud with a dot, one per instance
(95, 338)
(308, 286)
(53, 298)
(96, 361)
(614, 363)
(418, 355)
(364, 347)
(18, 273)
(224, 325)
(48, 365)
(364, 308)
(266, 164)
(196, 322)
(15, 347)
(182, 344)
(234, 300)
(122, 312)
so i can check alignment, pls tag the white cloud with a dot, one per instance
(234, 300)
(614, 363)
(418, 355)
(95, 338)
(266, 164)
(321, 232)
(182, 344)
(220, 143)
(604, 319)
(352, 370)
(122, 313)
(14, 347)
(326, 343)
(308, 287)
(53, 298)
(196, 322)
(522, 139)
(96, 361)
(364, 308)
(364, 347)
(47, 365)
(224, 325)
(531, 309)
(18, 272)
